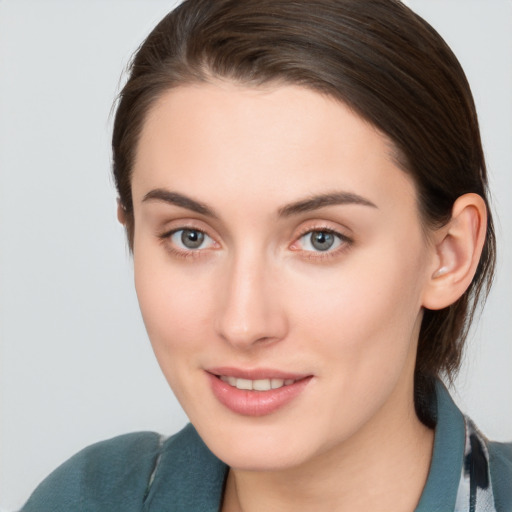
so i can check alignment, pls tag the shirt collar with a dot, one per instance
(440, 492)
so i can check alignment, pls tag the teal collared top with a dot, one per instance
(141, 472)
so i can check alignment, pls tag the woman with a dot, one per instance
(304, 191)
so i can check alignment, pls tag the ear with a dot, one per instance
(121, 213)
(458, 246)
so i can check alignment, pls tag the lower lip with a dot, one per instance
(255, 403)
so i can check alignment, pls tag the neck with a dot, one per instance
(383, 467)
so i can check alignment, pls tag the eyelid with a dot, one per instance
(325, 227)
(170, 227)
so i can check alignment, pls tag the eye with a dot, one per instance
(321, 241)
(191, 239)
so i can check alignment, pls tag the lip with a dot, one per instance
(255, 403)
(255, 373)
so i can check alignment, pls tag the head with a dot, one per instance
(377, 60)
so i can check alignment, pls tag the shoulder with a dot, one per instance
(500, 462)
(99, 476)
(188, 475)
(121, 474)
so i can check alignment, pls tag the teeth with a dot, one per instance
(276, 383)
(256, 385)
(261, 385)
(244, 384)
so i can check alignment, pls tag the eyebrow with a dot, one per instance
(301, 206)
(323, 200)
(181, 200)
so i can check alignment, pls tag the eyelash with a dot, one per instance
(345, 243)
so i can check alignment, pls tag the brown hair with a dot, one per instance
(377, 57)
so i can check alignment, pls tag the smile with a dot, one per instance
(256, 385)
(258, 392)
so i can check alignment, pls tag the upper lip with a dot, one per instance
(255, 373)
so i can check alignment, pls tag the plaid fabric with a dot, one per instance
(475, 488)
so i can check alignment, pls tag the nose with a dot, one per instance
(250, 307)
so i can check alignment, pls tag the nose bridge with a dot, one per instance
(249, 308)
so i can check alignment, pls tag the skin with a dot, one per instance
(257, 294)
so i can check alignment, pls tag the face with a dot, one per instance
(280, 264)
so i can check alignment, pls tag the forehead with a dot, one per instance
(282, 140)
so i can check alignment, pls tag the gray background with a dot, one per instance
(75, 363)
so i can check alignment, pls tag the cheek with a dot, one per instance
(174, 302)
(175, 310)
(366, 308)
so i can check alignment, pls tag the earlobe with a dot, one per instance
(458, 246)
(121, 213)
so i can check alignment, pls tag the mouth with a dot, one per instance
(257, 384)
(258, 392)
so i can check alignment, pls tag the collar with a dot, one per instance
(459, 478)
(440, 492)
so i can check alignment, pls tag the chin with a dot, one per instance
(264, 458)
(260, 445)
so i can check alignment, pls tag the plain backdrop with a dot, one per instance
(76, 365)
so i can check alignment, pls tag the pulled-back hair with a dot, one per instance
(376, 56)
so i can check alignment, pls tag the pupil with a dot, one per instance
(192, 239)
(322, 240)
